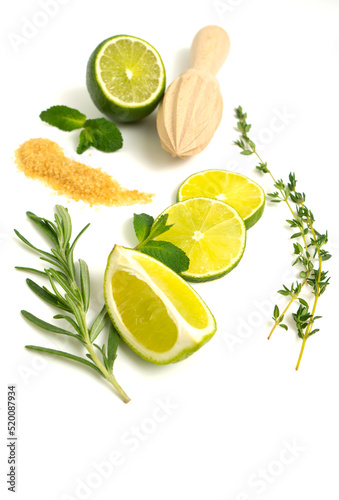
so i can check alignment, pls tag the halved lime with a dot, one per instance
(155, 311)
(211, 233)
(243, 194)
(125, 78)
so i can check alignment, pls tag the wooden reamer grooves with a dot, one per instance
(191, 109)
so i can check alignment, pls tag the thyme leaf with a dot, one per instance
(309, 252)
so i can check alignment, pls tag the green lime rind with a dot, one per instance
(184, 354)
(151, 356)
(105, 103)
(251, 219)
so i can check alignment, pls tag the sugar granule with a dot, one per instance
(44, 160)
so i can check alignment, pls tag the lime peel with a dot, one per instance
(235, 189)
(131, 67)
(210, 232)
(184, 307)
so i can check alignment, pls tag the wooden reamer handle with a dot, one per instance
(209, 49)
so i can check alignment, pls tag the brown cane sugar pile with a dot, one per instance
(44, 160)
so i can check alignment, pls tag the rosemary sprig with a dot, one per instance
(72, 296)
(310, 254)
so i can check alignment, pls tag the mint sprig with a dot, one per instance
(98, 133)
(146, 230)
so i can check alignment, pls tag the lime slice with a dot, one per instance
(211, 233)
(247, 197)
(155, 311)
(125, 78)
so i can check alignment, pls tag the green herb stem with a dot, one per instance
(303, 221)
(282, 192)
(311, 322)
(108, 376)
(294, 297)
(316, 297)
(67, 295)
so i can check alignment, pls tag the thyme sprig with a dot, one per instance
(71, 294)
(309, 252)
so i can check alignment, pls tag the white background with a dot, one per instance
(235, 409)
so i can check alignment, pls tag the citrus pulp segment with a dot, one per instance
(210, 232)
(125, 78)
(243, 194)
(155, 311)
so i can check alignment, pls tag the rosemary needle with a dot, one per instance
(72, 296)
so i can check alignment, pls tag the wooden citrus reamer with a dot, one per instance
(191, 109)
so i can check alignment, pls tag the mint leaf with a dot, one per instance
(85, 141)
(160, 227)
(101, 134)
(63, 117)
(142, 226)
(168, 254)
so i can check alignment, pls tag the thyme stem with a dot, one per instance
(303, 221)
(294, 297)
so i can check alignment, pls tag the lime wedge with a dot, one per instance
(155, 311)
(125, 78)
(211, 233)
(243, 194)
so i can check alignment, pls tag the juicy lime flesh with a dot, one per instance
(130, 71)
(210, 233)
(182, 297)
(234, 189)
(143, 312)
